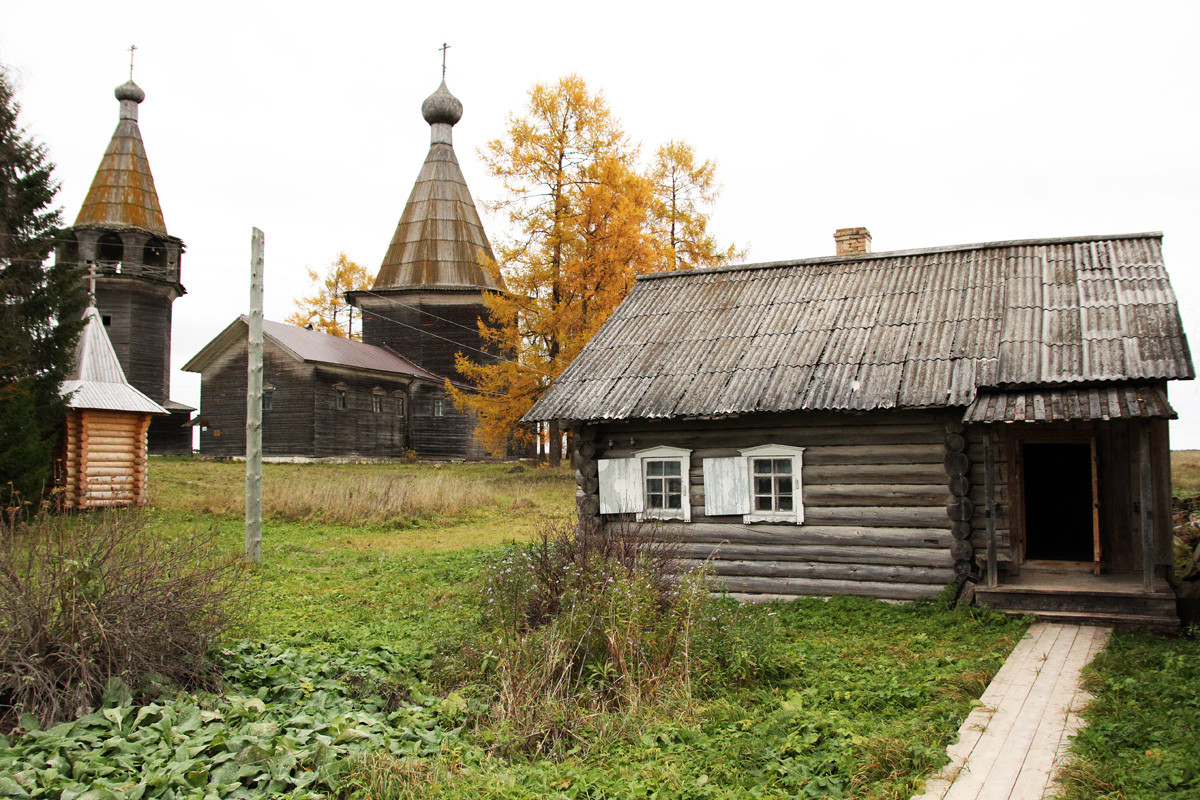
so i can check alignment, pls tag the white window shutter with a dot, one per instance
(620, 485)
(726, 487)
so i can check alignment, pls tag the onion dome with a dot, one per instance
(442, 107)
(130, 91)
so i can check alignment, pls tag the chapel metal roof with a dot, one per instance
(440, 239)
(122, 194)
(905, 329)
(308, 345)
(96, 380)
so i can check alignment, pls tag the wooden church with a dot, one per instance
(104, 442)
(383, 397)
(120, 235)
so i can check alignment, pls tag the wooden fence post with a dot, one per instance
(254, 384)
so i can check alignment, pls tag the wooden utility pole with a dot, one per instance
(254, 387)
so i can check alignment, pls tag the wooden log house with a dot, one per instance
(885, 424)
(104, 441)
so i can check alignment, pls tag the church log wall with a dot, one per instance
(287, 425)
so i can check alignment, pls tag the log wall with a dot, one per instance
(139, 327)
(287, 427)
(104, 460)
(358, 429)
(875, 487)
(427, 333)
(449, 436)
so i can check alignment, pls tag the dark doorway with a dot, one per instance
(1058, 502)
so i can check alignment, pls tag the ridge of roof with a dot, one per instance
(856, 257)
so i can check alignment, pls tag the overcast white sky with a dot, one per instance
(929, 123)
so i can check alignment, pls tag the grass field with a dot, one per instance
(359, 673)
(1185, 473)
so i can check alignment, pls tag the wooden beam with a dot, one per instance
(1147, 507)
(989, 493)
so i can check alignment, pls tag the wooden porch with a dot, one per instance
(1076, 596)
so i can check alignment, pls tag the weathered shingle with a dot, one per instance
(923, 328)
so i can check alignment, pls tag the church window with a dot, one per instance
(377, 402)
(341, 399)
(439, 408)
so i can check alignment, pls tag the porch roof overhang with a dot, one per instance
(1070, 404)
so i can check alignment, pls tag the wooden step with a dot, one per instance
(1090, 601)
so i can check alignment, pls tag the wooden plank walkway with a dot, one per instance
(1009, 746)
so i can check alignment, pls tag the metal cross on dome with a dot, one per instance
(444, 48)
(132, 47)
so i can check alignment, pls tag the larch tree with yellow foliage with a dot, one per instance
(327, 310)
(684, 188)
(584, 220)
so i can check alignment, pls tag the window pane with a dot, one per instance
(762, 485)
(670, 467)
(785, 503)
(654, 467)
(675, 501)
(762, 503)
(783, 466)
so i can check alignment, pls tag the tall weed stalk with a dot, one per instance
(85, 599)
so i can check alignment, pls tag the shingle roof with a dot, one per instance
(307, 345)
(122, 194)
(906, 329)
(439, 239)
(96, 380)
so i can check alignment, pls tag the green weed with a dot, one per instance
(1140, 739)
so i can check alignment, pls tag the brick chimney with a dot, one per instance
(852, 241)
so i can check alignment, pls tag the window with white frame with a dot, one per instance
(653, 484)
(762, 484)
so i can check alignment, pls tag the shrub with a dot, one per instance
(591, 627)
(85, 599)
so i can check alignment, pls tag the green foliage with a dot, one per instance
(286, 725)
(39, 309)
(1140, 739)
(851, 698)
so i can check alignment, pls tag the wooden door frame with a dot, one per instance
(1016, 439)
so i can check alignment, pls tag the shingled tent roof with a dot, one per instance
(906, 329)
(439, 239)
(122, 194)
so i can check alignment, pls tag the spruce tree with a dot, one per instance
(40, 309)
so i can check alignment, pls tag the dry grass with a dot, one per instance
(379, 495)
(1185, 473)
